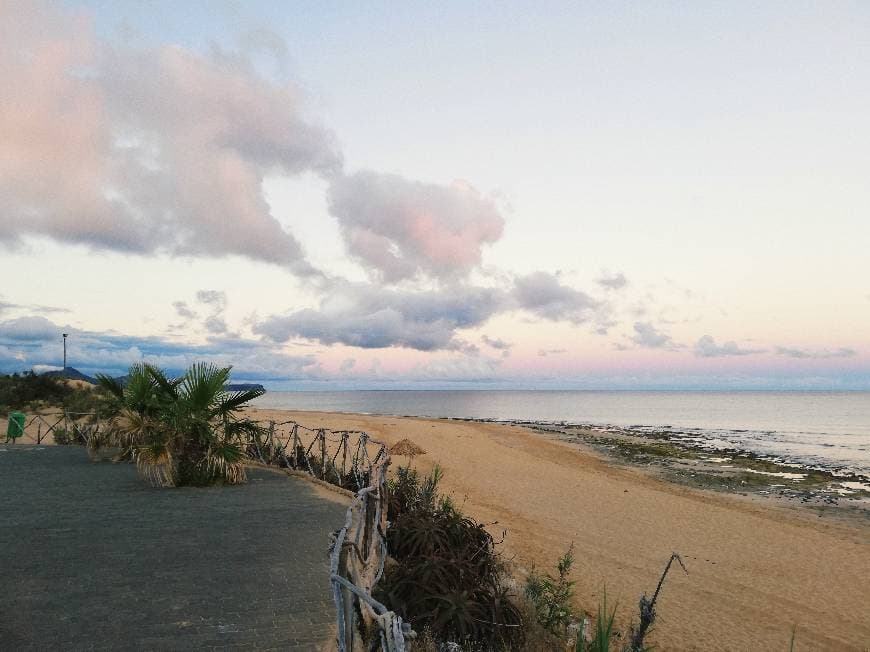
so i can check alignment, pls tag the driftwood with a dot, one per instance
(648, 607)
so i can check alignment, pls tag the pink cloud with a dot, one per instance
(144, 150)
(399, 228)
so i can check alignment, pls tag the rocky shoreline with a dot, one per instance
(690, 461)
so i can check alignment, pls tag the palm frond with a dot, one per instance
(111, 385)
(203, 386)
(168, 386)
(226, 461)
(156, 463)
(232, 402)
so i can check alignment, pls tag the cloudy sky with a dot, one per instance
(614, 195)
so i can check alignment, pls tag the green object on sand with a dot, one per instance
(16, 425)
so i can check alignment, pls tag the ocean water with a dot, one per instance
(824, 429)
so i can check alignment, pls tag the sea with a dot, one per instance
(828, 430)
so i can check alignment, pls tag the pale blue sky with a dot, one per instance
(716, 154)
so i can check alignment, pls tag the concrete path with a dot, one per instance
(93, 558)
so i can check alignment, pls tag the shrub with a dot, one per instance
(448, 577)
(183, 431)
(551, 595)
(29, 391)
(62, 437)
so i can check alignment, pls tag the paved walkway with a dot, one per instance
(93, 558)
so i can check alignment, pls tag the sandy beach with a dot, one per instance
(755, 570)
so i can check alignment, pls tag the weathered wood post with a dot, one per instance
(271, 441)
(344, 439)
(322, 454)
(295, 445)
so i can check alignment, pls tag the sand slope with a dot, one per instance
(754, 571)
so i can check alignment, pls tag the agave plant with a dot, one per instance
(187, 430)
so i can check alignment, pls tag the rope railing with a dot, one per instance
(353, 460)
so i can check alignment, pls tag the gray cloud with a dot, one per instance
(366, 316)
(347, 365)
(6, 306)
(215, 324)
(818, 354)
(706, 347)
(543, 353)
(543, 295)
(29, 329)
(35, 342)
(146, 151)
(369, 316)
(612, 281)
(183, 310)
(646, 335)
(496, 343)
(399, 228)
(215, 298)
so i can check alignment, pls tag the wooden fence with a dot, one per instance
(353, 460)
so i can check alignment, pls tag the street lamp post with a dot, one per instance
(64, 350)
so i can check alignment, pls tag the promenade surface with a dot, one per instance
(93, 558)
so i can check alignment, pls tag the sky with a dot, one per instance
(433, 195)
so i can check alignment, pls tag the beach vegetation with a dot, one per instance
(32, 391)
(551, 595)
(604, 630)
(183, 431)
(446, 575)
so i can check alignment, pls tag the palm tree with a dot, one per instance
(187, 430)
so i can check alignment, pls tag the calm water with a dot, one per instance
(829, 429)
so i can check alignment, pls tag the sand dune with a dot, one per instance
(754, 570)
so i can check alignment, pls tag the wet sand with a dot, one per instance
(755, 569)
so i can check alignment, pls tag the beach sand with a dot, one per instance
(755, 570)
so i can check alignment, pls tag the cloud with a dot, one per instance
(399, 228)
(29, 329)
(818, 354)
(144, 151)
(217, 301)
(543, 353)
(214, 298)
(462, 368)
(35, 342)
(612, 281)
(371, 316)
(347, 365)
(6, 306)
(706, 347)
(543, 295)
(215, 324)
(358, 314)
(496, 343)
(646, 335)
(183, 310)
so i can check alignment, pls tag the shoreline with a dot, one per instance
(756, 567)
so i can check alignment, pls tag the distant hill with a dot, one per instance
(71, 373)
(242, 387)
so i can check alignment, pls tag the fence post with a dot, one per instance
(344, 439)
(295, 445)
(322, 454)
(271, 441)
